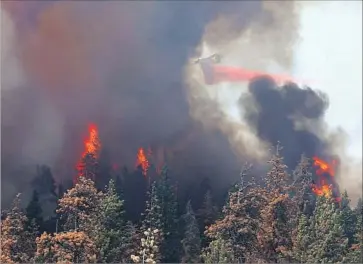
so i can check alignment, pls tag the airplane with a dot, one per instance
(215, 73)
(215, 57)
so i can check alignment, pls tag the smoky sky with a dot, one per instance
(116, 64)
(273, 112)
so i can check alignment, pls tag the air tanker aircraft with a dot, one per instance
(215, 73)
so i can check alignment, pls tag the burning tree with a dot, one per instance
(325, 185)
(88, 165)
(142, 161)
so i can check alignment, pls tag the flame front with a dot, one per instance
(92, 143)
(92, 146)
(324, 169)
(142, 161)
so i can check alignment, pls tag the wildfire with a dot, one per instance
(92, 143)
(92, 148)
(142, 161)
(324, 169)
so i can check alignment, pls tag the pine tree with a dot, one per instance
(12, 235)
(241, 220)
(45, 186)
(275, 237)
(149, 247)
(161, 214)
(355, 254)
(208, 212)
(44, 182)
(154, 216)
(170, 245)
(191, 242)
(348, 218)
(104, 170)
(112, 238)
(79, 207)
(89, 167)
(206, 216)
(328, 243)
(303, 195)
(302, 240)
(218, 251)
(34, 211)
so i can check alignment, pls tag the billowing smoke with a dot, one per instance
(117, 64)
(289, 115)
(121, 65)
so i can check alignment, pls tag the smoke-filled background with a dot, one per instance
(126, 67)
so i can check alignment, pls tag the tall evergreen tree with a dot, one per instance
(348, 218)
(161, 214)
(191, 242)
(302, 240)
(45, 186)
(241, 220)
(275, 238)
(105, 170)
(34, 211)
(206, 216)
(112, 238)
(355, 254)
(219, 251)
(328, 243)
(303, 196)
(170, 245)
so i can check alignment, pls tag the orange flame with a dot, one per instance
(92, 146)
(323, 168)
(142, 161)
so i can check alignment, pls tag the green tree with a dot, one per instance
(34, 211)
(302, 240)
(191, 242)
(355, 254)
(161, 214)
(45, 186)
(348, 218)
(303, 195)
(207, 214)
(218, 251)
(328, 243)
(112, 237)
(153, 216)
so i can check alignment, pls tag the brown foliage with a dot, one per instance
(12, 235)
(68, 247)
(80, 206)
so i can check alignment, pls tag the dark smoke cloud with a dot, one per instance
(285, 114)
(117, 64)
